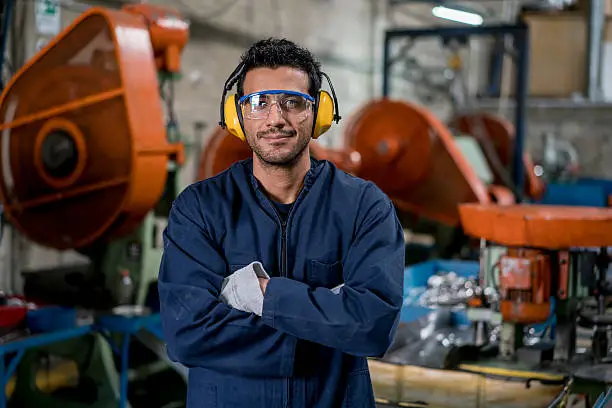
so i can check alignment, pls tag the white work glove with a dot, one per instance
(336, 290)
(241, 290)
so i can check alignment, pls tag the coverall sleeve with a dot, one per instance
(363, 317)
(199, 329)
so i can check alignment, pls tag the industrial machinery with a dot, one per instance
(89, 164)
(495, 135)
(409, 153)
(559, 161)
(549, 265)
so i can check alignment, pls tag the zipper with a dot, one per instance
(283, 224)
(284, 227)
(288, 391)
(283, 264)
(283, 271)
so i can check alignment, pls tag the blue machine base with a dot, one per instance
(589, 192)
(415, 285)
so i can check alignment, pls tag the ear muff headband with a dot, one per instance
(325, 108)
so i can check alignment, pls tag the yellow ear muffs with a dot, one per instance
(324, 114)
(233, 117)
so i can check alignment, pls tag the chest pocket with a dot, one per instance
(324, 274)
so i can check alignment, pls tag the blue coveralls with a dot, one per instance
(309, 348)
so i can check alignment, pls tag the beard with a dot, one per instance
(284, 155)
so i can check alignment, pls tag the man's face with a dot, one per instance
(278, 138)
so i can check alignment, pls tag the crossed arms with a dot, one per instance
(203, 331)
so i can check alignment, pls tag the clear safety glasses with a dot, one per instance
(292, 104)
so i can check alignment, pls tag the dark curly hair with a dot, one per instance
(277, 52)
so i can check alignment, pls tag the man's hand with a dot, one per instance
(263, 283)
(244, 289)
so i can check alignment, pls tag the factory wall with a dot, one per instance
(588, 129)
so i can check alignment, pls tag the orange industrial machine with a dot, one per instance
(84, 147)
(87, 165)
(550, 254)
(412, 156)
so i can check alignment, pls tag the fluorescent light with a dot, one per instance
(457, 15)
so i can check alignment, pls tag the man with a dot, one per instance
(281, 274)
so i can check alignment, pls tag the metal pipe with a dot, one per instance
(198, 137)
(560, 398)
(521, 38)
(8, 9)
(386, 64)
(547, 103)
(595, 34)
(604, 399)
(497, 29)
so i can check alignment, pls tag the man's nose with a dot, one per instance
(275, 115)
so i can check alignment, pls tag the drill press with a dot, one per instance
(552, 255)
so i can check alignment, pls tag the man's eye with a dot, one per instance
(292, 103)
(258, 104)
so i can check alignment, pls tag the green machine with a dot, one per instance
(107, 166)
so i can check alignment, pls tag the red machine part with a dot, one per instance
(222, 150)
(495, 135)
(525, 274)
(84, 148)
(524, 285)
(412, 157)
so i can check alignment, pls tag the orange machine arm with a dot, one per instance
(168, 33)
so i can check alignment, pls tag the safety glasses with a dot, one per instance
(292, 104)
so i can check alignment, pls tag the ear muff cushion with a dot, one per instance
(232, 118)
(324, 115)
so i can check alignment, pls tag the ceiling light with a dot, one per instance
(459, 16)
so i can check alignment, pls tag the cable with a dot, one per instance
(561, 398)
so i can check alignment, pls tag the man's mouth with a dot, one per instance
(277, 136)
